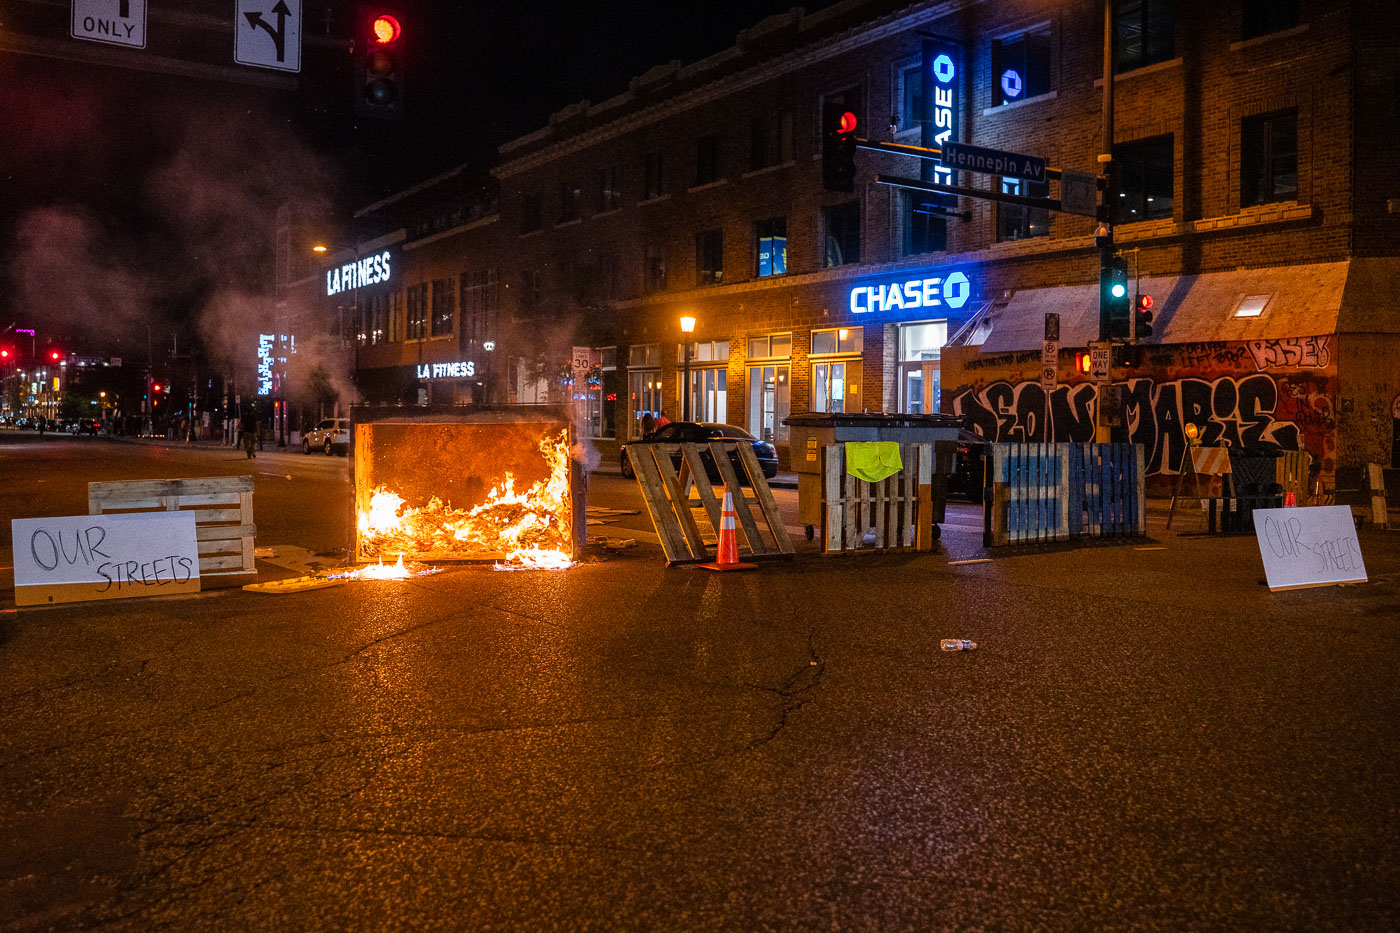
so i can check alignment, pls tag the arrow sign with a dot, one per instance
(256, 21)
(260, 43)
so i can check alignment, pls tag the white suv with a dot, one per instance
(331, 435)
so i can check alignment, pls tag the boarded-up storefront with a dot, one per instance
(1260, 358)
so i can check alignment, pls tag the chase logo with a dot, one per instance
(950, 291)
(943, 69)
(1011, 84)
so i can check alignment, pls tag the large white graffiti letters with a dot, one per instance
(1229, 411)
(1290, 353)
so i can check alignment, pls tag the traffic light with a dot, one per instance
(1142, 317)
(55, 356)
(838, 147)
(1115, 305)
(379, 53)
(1083, 364)
(4, 354)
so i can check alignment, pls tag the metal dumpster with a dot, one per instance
(812, 431)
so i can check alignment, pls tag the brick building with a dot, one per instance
(1256, 144)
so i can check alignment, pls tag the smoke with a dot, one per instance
(75, 276)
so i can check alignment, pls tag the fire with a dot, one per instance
(531, 527)
(380, 572)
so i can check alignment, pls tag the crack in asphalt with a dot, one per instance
(794, 692)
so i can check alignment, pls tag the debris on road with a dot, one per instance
(957, 644)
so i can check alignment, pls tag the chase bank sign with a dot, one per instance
(939, 291)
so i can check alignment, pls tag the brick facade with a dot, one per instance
(573, 269)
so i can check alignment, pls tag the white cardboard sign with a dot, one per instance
(71, 558)
(1311, 546)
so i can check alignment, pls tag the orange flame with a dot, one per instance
(531, 527)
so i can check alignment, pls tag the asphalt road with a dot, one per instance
(1145, 739)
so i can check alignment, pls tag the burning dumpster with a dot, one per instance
(488, 484)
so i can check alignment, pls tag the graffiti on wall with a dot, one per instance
(1254, 411)
(1290, 353)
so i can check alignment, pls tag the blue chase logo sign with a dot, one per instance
(950, 290)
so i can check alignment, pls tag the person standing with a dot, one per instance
(248, 432)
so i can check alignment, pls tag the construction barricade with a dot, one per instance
(1042, 493)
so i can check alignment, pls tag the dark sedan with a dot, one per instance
(691, 432)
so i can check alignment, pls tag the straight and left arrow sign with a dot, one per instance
(268, 34)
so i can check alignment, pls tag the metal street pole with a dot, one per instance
(1104, 234)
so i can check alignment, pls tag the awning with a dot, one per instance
(1304, 300)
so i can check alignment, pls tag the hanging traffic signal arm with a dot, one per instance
(895, 181)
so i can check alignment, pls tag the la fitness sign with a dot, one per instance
(945, 291)
(464, 369)
(368, 271)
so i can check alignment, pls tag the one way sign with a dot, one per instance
(268, 34)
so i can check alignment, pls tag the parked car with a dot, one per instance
(332, 435)
(678, 432)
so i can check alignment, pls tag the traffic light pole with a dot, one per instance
(1103, 236)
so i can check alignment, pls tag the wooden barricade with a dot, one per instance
(900, 508)
(1053, 492)
(223, 508)
(667, 494)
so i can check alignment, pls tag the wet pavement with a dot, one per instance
(1144, 739)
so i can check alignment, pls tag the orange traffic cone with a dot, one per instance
(1290, 500)
(727, 557)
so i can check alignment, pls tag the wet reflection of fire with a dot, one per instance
(527, 528)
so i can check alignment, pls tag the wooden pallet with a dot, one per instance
(223, 508)
(900, 508)
(667, 495)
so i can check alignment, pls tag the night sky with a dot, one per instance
(130, 196)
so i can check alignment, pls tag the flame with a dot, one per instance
(380, 572)
(532, 527)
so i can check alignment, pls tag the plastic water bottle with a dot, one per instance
(957, 644)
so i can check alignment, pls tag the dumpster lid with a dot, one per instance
(861, 419)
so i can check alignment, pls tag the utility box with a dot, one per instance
(813, 431)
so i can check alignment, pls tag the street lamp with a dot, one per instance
(687, 328)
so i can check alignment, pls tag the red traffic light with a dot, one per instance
(385, 29)
(4, 354)
(1145, 302)
(1083, 363)
(55, 355)
(847, 123)
(156, 387)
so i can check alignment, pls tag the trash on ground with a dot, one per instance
(957, 644)
(293, 585)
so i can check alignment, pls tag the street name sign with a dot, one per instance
(1050, 353)
(1301, 547)
(267, 34)
(1079, 193)
(75, 558)
(117, 22)
(993, 161)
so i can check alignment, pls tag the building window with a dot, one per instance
(835, 386)
(1262, 17)
(920, 346)
(841, 234)
(709, 159)
(837, 340)
(480, 302)
(1021, 67)
(1269, 158)
(532, 214)
(531, 282)
(709, 257)
(609, 193)
(770, 386)
(1145, 179)
(771, 238)
(609, 281)
(444, 308)
(416, 327)
(709, 395)
(1144, 33)
(925, 227)
(707, 351)
(654, 260)
(378, 318)
(770, 140)
(911, 98)
(1018, 222)
(395, 316)
(653, 176)
(570, 201)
